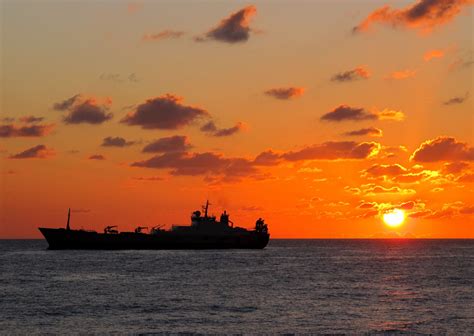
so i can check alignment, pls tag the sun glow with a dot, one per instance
(394, 218)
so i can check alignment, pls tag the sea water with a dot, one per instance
(292, 286)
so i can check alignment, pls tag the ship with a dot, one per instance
(205, 232)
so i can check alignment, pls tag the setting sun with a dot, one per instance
(394, 218)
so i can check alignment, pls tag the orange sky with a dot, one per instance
(317, 116)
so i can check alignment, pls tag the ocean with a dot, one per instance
(290, 287)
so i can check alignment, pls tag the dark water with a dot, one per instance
(295, 286)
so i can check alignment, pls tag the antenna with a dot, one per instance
(68, 218)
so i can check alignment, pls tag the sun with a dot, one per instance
(394, 218)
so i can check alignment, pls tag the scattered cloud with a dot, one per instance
(99, 157)
(116, 142)
(35, 130)
(423, 15)
(31, 119)
(401, 74)
(164, 112)
(432, 54)
(211, 129)
(351, 75)
(149, 178)
(455, 167)
(86, 110)
(36, 152)
(233, 29)
(285, 93)
(456, 100)
(176, 143)
(388, 114)
(267, 158)
(370, 131)
(334, 150)
(163, 35)
(193, 164)
(345, 112)
(381, 170)
(443, 149)
(116, 77)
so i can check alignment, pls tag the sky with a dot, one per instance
(319, 116)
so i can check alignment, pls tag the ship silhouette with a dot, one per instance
(205, 232)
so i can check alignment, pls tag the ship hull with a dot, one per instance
(62, 239)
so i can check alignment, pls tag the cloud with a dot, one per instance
(387, 114)
(99, 157)
(31, 119)
(379, 170)
(401, 74)
(455, 167)
(116, 142)
(211, 129)
(267, 158)
(233, 29)
(66, 104)
(36, 152)
(164, 112)
(432, 54)
(466, 178)
(423, 15)
(372, 189)
(193, 164)
(116, 77)
(443, 149)
(456, 100)
(370, 131)
(176, 143)
(36, 130)
(149, 178)
(84, 110)
(285, 93)
(351, 75)
(163, 35)
(334, 150)
(345, 112)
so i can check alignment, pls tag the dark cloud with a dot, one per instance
(211, 129)
(176, 143)
(456, 100)
(351, 75)
(455, 167)
(163, 35)
(334, 150)
(345, 112)
(267, 158)
(36, 152)
(37, 130)
(164, 112)
(84, 110)
(8, 119)
(285, 93)
(233, 29)
(66, 104)
(199, 164)
(370, 131)
(116, 142)
(443, 149)
(378, 170)
(96, 157)
(424, 15)
(31, 119)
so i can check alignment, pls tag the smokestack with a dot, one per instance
(68, 218)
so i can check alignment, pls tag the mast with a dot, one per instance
(205, 209)
(68, 218)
